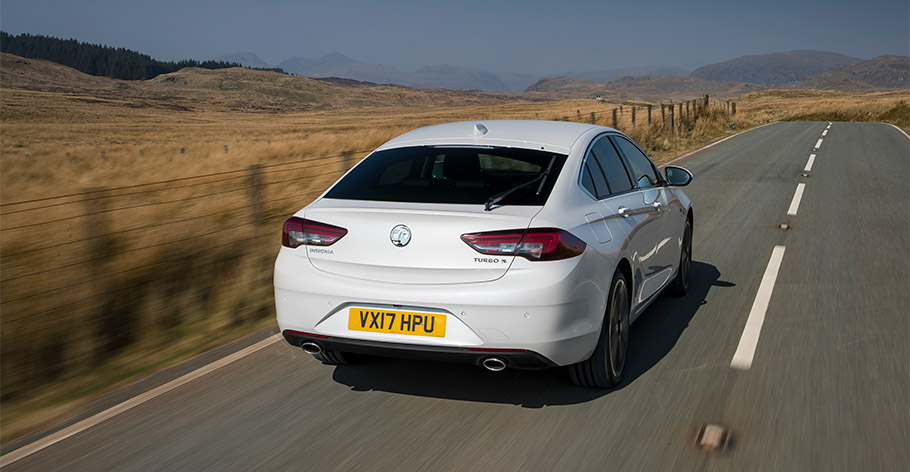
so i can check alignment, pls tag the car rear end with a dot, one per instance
(405, 256)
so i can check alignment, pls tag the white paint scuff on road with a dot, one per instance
(742, 359)
(819, 143)
(794, 204)
(105, 415)
(809, 164)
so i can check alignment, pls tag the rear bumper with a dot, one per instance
(516, 359)
(552, 309)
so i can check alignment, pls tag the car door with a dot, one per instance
(653, 199)
(629, 217)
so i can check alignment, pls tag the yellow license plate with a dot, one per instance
(397, 322)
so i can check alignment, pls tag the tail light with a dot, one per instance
(539, 244)
(298, 232)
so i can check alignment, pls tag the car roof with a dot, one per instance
(555, 136)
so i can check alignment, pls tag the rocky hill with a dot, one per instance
(881, 73)
(778, 68)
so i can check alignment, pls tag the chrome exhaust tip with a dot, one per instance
(494, 364)
(311, 348)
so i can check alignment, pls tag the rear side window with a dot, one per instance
(612, 165)
(592, 178)
(643, 173)
(456, 175)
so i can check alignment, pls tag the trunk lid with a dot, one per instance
(434, 252)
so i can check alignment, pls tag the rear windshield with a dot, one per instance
(459, 175)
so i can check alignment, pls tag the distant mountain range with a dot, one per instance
(441, 76)
(801, 69)
(339, 65)
(881, 73)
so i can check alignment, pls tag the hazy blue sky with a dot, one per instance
(515, 36)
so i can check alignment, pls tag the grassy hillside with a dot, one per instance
(663, 88)
(814, 105)
(228, 89)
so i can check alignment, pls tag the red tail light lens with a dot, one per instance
(539, 244)
(298, 232)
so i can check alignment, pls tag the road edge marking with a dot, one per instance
(113, 411)
(745, 351)
(797, 197)
(899, 129)
(706, 146)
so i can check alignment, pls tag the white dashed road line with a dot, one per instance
(87, 423)
(745, 351)
(809, 164)
(794, 204)
(742, 359)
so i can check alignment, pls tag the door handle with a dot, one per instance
(623, 212)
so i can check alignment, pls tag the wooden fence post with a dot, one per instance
(663, 117)
(109, 332)
(614, 118)
(592, 117)
(649, 115)
(679, 118)
(254, 182)
(578, 112)
(733, 108)
(633, 117)
(672, 127)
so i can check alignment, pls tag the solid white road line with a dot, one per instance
(809, 164)
(825, 132)
(902, 131)
(742, 359)
(819, 143)
(794, 204)
(87, 423)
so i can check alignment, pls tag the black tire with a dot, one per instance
(606, 366)
(333, 358)
(680, 285)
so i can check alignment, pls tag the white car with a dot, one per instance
(523, 244)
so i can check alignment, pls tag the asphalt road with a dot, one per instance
(828, 387)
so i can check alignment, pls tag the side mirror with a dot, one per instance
(678, 176)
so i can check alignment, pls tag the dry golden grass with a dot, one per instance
(102, 287)
(813, 105)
